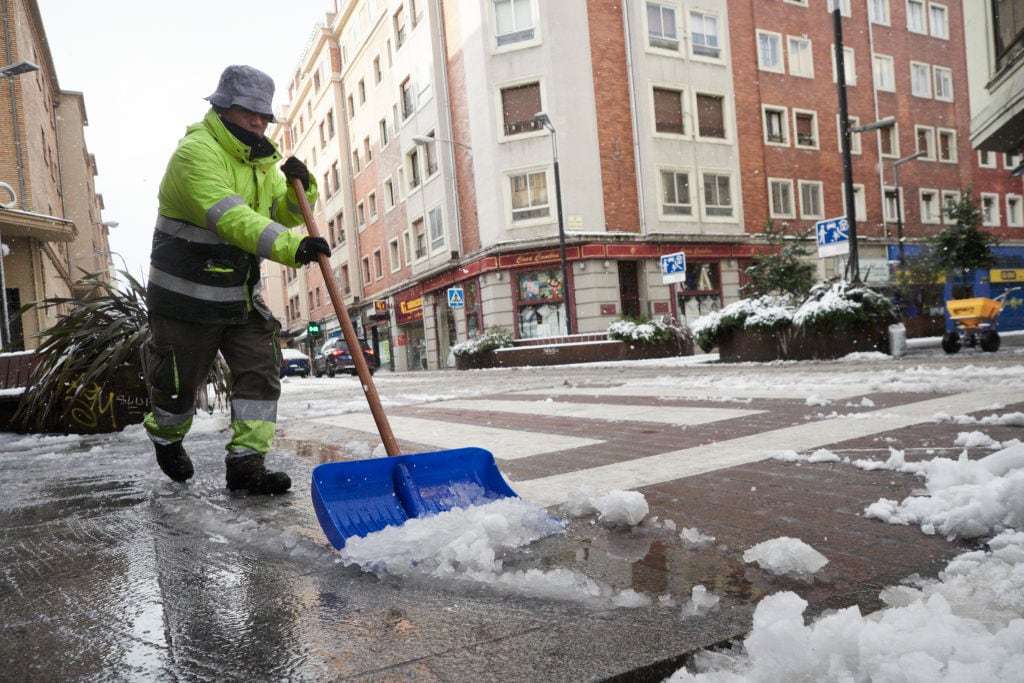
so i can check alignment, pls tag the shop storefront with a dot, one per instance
(410, 352)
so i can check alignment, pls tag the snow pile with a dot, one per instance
(470, 545)
(785, 555)
(701, 602)
(613, 509)
(694, 537)
(942, 630)
(820, 455)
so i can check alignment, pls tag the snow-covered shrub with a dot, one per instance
(492, 338)
(839, 306)
(657, 331)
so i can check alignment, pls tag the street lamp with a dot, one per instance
(10, 71)
(899, 198)
(427, 139)
(543, 119)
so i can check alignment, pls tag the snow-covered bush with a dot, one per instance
(657, 331)
(492, 338)
(839, 306)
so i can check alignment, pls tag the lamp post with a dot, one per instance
(428, 139)
(545, 121)
(899, 198)
(10, 71)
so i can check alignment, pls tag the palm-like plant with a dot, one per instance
(97, 344)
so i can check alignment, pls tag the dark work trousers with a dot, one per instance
(177, 359)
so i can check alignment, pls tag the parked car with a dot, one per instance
(294, 362)
(334, 357)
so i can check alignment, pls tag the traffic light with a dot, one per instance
(313, 328)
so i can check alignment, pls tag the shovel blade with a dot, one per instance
(358, 497)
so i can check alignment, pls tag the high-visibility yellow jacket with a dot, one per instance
(221, 211)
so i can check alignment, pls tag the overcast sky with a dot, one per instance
(145, 68)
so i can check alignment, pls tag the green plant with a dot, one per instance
(99, 339)
(963, 246)
(657, 331)
(492, 338)
(785, 269)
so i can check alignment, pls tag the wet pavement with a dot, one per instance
(108, 571)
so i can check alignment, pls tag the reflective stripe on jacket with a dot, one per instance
(220, 213)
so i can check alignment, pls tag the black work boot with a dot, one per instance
(249, 472)
(174, 461)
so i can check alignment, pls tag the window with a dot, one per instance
(668, 111)
(854, 121)
(362, 91)
(878, 11)
(1014, 214)
(361, 215)
(371, 200)
(529, 196)
(938, 20)
(323, 134)
(1008, 30)
(889, 139)
(717, 194)
(378, 73)
(327, 186)
(915, 16)
(885, 76)
(710, 116)
(1011, 161)
(986, 159)
(925, 136)
(367, 277)
(844, 7)
(378, 265)
(849, 66)
(383, 133)
(419, 237)
(401, 30)
(810, 199)
(860, 208)
(389, 194)
(801, 61)
(805, 123)
(351, 106)
(930, 212)
(356, 167)
(519, 104)
(406, 96)
(920, 79)
(394, 257)
(661, 27)
(704, 35)
(412, 164)
(340, 222)
(947, 145)
(430, 152)
(367, 150)
(989, 209)
(891, 205)
(950, 199)
(776, 126)
(540, 309)
(780, 196)
(943, 83)
(346, 282)
(769, 51)
(675, 193)
(335, 176)
(513, 21)
(436, 229)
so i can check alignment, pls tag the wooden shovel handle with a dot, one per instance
(354, 347)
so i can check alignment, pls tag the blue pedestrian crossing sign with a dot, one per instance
(833, 237)
(673, 268)
(456, 298)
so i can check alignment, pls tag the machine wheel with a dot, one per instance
(990, 341)
(951, 342)
(330, 371)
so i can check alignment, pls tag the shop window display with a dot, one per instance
(541, 309)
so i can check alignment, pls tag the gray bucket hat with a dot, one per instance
(247, 87)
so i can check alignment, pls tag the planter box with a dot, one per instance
(533, 352)
(120, 402)
(759, 347)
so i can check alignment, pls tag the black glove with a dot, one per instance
(293, 168)
(309, 247)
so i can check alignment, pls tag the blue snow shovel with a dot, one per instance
(358, 497)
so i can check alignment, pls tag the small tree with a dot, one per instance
(963, 246)
(783, 271)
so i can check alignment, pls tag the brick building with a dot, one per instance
(670, 126)
(50, 223)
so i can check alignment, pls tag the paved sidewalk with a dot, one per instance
(111, 572)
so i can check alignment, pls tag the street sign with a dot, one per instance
(833, 237)
(673, 268)
(456, 298)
